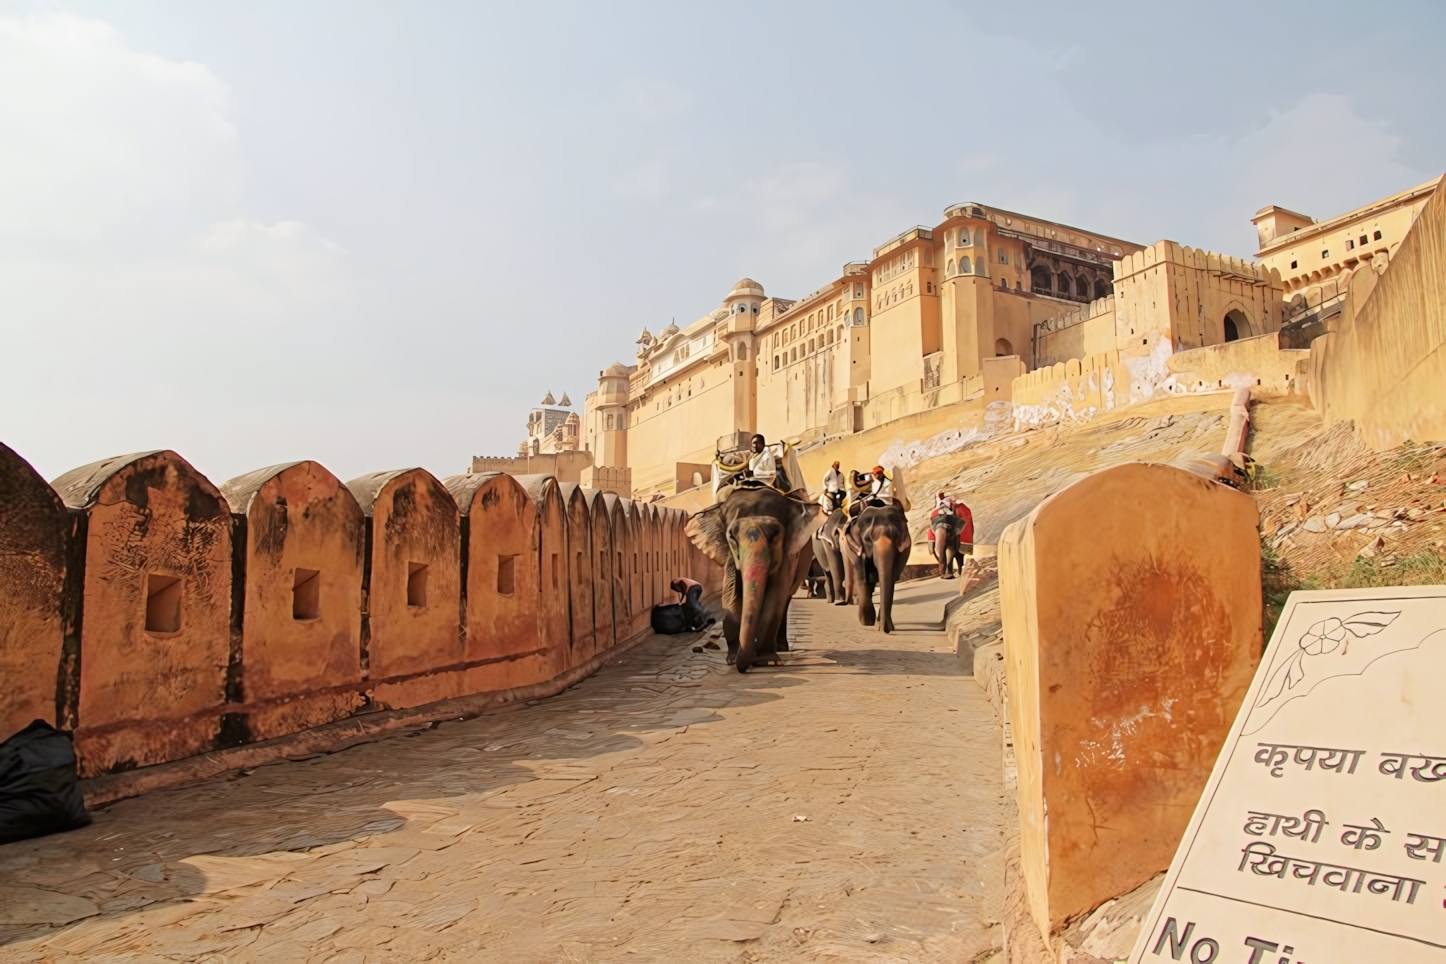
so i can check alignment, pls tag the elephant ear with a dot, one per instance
(804, 526)
(708, 531)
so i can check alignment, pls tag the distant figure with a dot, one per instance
(761, 465)
(835, 489)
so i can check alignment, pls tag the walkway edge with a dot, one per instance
(330, 737)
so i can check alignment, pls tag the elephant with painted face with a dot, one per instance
(826, 551)
(761, 538)
(878, 545)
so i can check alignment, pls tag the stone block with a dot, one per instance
(580, 563)
(411, 621)
(1132, 618)
(34, 530)
(302, 552)
(155, 626)
(554, 630)
(501, 622)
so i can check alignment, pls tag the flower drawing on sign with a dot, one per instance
(1323, 638)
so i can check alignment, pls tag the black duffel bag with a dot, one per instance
(39, 788)
(670, 619)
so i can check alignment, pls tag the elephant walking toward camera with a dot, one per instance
(878, 544)
(761, 538)
(831, 559)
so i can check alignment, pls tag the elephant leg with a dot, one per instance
(780, 643)
(887, 561)
(843, 578)
(730, 635)
(867, 614)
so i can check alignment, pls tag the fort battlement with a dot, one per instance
(160, 616)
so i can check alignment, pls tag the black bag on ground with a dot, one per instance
(670, 619)
(39, 788)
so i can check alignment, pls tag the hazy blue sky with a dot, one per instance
(375, 234)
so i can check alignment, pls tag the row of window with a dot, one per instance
(1351, 245)
(803, 350)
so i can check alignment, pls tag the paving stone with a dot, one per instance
(646, 814)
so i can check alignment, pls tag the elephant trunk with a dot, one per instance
(755, 563)
(884, 564)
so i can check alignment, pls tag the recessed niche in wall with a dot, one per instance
(306, 594)
(163, 603)
(505, 567)
(416, 584)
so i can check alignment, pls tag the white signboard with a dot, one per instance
(1321, 836)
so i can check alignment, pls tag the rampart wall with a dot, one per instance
(1383, 363)
(160, 616)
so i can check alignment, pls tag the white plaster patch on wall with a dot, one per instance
(998, 417)
(1150, 374)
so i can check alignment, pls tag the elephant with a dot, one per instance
(878, 544)
(945, 526)
(828, 556)
(760, 537)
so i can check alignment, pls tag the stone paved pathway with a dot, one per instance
(844, 806)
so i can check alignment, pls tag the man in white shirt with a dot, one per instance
(761, 464)
(882, 487)
(833, 489)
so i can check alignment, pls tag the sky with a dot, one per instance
(376, 234)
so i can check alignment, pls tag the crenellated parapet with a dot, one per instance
(160, 616)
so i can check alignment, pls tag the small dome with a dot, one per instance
(747, 286)
(668, 332)
(615, 369)
(646, 338)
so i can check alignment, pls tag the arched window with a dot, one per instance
(810, 346)
(963, 237)
(859, 317)
(1102, 290)
(775, 363)
(793, 354)
(949, 269)
(830, 336)
(610, 422)
(964, 266)
(1002, 347)
(840, 333)
(1082, 286)
(1039, 278)
(742, 352)
(979, 237)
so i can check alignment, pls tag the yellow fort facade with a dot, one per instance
(987, 306)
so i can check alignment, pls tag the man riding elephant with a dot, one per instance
(760, 537)
(878, 544)
(951, 533)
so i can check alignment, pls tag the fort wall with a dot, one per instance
(204, 618)
(1383, 363)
